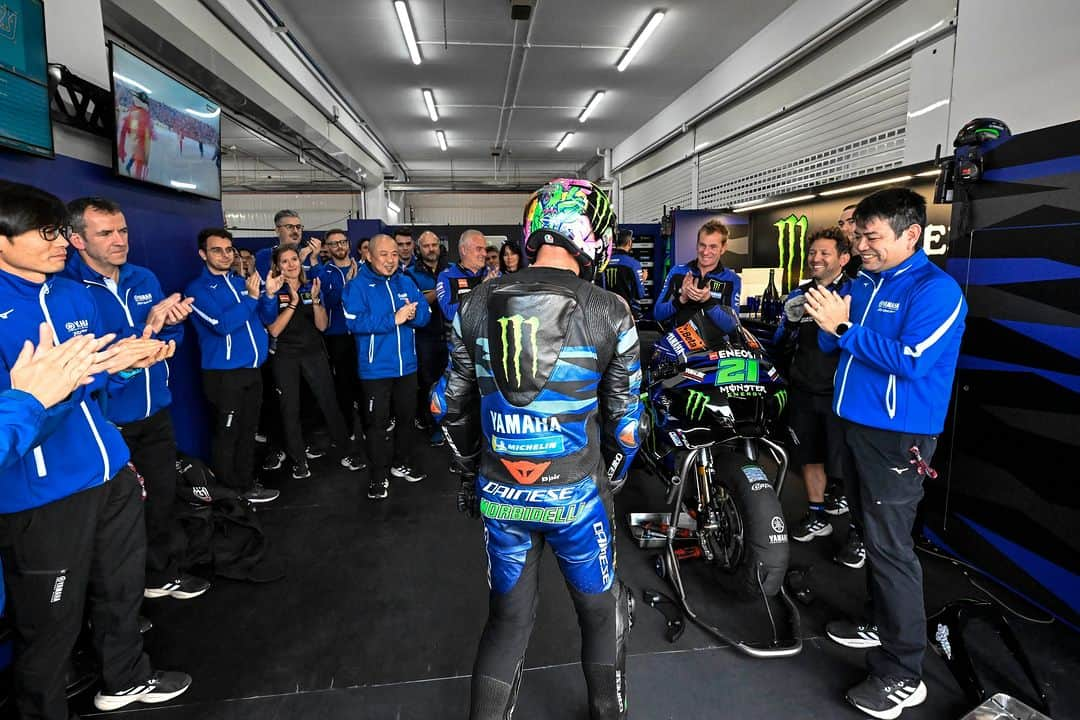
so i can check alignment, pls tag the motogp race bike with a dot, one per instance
(711, 401)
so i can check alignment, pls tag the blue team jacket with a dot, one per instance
(727, 284)
(74, 448)
(332, 279)
(230, 323)
(383, 348)
(898, 359)
(123, 308)
(454, 283)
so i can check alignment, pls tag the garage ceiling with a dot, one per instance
(501, 86)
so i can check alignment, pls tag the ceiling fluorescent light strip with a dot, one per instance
(405, 21)
(591, 105)
(863, 186)
(429, 100)
(441, 137)
(640, 40)
(392, 207)
(774, 203)
(562, 143)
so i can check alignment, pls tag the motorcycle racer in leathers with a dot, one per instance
(540, 406)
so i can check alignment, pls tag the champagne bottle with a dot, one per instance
(770, 300)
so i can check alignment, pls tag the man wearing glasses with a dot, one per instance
(340, 346)
(230, 314)
(289, 229)
(72, 538)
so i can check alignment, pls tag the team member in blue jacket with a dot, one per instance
(129, 299)
(383, 307)
(701, 283)
(460, 278)
(623, 274)
(431, 344)
(899, 338)
(340, 346)
(230, 314)
(71, 511)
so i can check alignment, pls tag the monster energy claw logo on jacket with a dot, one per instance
(512, 329)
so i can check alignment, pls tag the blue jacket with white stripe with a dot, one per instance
(384, 349)
(898, 358)
(332, 279)
(230, 323)
(123, 307)
(74, 447)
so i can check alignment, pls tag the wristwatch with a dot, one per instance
(842, 328)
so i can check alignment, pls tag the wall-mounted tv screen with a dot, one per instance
(166, 133)
(25, 123)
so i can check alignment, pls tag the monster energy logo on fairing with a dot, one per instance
(781, 397)
(791, 236)
(515, 324)
(695, 404)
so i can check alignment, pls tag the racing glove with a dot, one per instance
(467, 500)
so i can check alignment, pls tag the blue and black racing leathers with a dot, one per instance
(541, 400)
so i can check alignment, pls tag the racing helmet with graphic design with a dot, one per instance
(575, 215)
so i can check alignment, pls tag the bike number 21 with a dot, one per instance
(736, 370)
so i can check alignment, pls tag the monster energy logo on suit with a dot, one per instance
(791, 237)
(695, 404)
(514, 325)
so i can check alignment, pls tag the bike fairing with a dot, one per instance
(123, 308)
(898, 358)
(75, 448)
(725, 287)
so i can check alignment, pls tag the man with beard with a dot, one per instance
(340, 345)
(431, 350)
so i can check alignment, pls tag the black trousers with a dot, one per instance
(341, 351)
(236, 398)
(153, 453)
(432, 356)
(87, 548)
(382, 399)
(314, 370)
(884, 495)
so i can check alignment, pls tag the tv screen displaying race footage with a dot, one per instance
(166, 133)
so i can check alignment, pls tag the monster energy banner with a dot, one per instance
(780, 237)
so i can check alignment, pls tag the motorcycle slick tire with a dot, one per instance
(764, 560)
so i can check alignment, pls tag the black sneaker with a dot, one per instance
(160, 687)
(852, 634)
(811, 526)
(853, 553)
(378, 489)
(313, 453)
(836, 503)
(274, 460)
(300, 471)
(260, 494)
(352, 462)
(184, 587)
(886, 698)
(404, 471)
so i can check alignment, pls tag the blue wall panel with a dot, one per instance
(163, 228)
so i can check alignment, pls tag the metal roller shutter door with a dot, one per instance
(854, 131)
(644, 202)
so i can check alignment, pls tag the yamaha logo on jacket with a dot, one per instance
(76, 448)
(384, 349)
(898, 359)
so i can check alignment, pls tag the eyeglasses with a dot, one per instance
(297, 228)
(337, 243)
(222, 250)
(49, 233)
